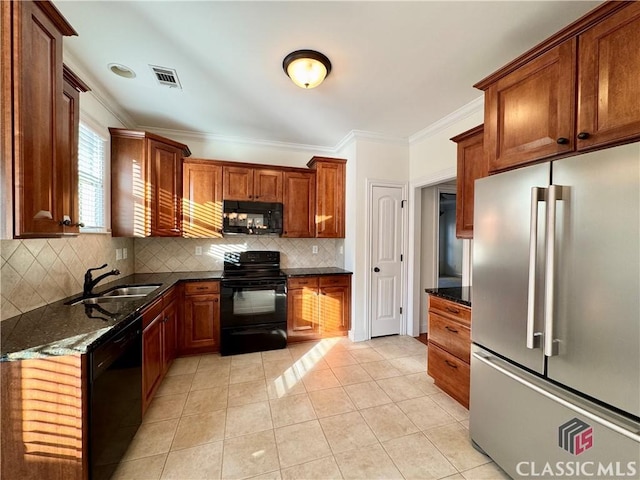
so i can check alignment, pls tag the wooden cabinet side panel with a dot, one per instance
(129, 188)
(44, 418)
(68, 158)
(529, 110)
(202, 201)
(152, 360)
(609, 79)
(471, 166)
(170, 335)
(299, 204)
(37, 120)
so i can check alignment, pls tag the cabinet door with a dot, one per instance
(170, 335)
(152, 359)
(166, 189)
(302, 314)
(299, 201)
(330, 193)
(238, 183)
(267, 185)
(471, 166)
(529, 114)
(201, 326)
(202, 200)
(609, 80)
(335, 308)
(37, 121)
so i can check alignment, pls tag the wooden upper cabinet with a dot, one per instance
(146, 184)
(471, 166)
(330, 196)
(201, 199)
(609, 80)
(35, 128)
(299, 204)
(166, 188)
(252, 184)
(529, 114)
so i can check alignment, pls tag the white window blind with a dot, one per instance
(91, 169)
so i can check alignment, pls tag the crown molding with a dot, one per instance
(454, 117)
(200, 136)
(106, 100)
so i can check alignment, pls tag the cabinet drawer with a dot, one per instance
(199, 288)
(449, 373)
(450, 335)
(335, 281)
(450, 309)
(303, 282)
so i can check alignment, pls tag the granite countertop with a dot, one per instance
(59, 329)
(460, 295)
(306, 272)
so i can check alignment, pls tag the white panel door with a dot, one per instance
(386, 266)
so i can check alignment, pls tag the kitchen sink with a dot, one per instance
(131, 291)
(121, 293)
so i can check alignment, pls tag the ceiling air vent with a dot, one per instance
(166, 76)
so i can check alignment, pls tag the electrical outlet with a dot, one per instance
(124, 253)
(341, 250)
(198, 251)
(314, 249)
(118, 254)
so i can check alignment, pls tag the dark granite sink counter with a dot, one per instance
(460, 295)
(59, 329)
(307, 272)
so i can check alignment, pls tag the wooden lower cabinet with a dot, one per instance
(159, 343)
(200, 331)
(318, 306)
(449, 347)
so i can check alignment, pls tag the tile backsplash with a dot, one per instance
(39, 271)
(179, 254)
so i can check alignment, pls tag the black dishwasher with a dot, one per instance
(115, 396)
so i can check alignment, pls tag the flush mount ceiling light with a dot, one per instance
(121, 70)
(306, 68)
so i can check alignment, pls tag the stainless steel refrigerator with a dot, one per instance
(555, 366)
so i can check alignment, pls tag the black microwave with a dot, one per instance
(251, 218)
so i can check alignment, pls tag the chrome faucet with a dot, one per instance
(90, 282)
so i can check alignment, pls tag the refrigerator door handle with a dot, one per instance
(538, 194)
(624, 427)
(550, 346)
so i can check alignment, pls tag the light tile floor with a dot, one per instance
(321, 410)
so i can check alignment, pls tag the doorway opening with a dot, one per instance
(449, 266)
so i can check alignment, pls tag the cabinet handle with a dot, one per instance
(79, 224)
(583, 135)
(452, 365)
(562, 141)
(216, 300)
(201, 288)
(453, 310)
(66, 222)
(452, 330)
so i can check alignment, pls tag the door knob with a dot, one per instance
(376, 269)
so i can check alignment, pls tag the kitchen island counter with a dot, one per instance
(58, 329)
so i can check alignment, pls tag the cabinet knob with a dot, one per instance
(583, 135)
(66, 222)
(79, 224)
(562, 141)
(216, 300)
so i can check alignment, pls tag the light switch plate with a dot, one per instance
(124, 253)
(314, 249)
(118, 254)
(198, 251)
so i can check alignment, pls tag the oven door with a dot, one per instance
(245, 303)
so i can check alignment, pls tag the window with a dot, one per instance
(91, 173)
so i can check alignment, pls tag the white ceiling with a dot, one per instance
(397, 66)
